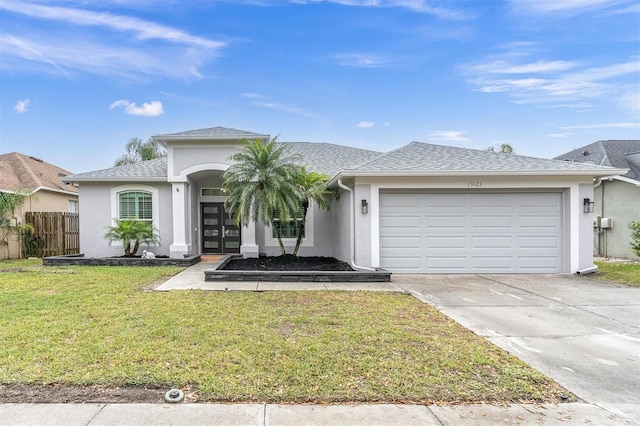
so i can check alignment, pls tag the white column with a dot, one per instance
(249, 248)
(180, 246)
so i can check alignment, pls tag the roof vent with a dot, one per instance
(36, 159)
(585, 153)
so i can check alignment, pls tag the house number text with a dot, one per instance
(474, 184)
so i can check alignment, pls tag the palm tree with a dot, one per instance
(141, 151)
(132, 232)
(262, 183)
(314, 187)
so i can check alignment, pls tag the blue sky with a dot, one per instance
(79, 78)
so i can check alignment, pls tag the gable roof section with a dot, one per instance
(210, 133)
(22, 172)
(418, 158)
(622, 154)
(327, 158)
(151, 170)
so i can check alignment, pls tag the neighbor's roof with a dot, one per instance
(211, 133)
(418, 158)
(151, 170)
(22, 172)
(623, 154)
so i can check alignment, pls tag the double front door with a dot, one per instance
(219, 231)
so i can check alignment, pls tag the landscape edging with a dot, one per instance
(218, 274)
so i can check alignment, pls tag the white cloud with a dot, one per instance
(420, 6)
(283, 107)
(366, 124)
(542, 66)
(22, 106)
(551, 83)
(603, 126)
(143, 30)
(561, 6)
(361, 60)
(115, 45)
(148, 109)
(448, 136)
(559, 135)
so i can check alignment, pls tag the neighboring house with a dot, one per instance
(419, 208)
(617, 197)
(19, 172)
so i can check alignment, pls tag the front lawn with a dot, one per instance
(619, 272)
(95, 325)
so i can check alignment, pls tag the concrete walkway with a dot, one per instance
(547, 318)
(297, 415)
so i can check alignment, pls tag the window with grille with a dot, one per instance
(135, 205)
(288, 228)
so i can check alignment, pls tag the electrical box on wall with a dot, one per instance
(606, 222)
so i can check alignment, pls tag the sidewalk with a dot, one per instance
(311, 415)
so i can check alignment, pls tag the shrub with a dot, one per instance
(635, 236)
(132, 233)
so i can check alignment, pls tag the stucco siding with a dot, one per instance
(317, 243)
(622, 204)
(341, 231)
(96, 220)
(188, 157)
(363, 224)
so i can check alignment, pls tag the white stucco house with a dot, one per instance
(421, 208)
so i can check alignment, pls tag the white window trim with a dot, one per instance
(155, 203)
(307, 241)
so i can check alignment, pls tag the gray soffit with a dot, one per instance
(210, 133)
(418, 158)
(152, 170)
(622, 154)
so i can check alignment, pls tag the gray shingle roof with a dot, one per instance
(327, 158)
(211, 132)
(152, 170)
(416, 158)
(623, 154)
(419, 156)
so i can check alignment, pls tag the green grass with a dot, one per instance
(94, 325)
(619, 272)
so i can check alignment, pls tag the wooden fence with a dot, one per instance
(56, 233)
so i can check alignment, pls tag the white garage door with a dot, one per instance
(471, 233)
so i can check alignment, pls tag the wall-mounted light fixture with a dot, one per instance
(365, 207)
(587, 205)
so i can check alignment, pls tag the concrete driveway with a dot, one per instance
(583, 333)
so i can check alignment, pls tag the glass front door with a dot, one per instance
(219, 231)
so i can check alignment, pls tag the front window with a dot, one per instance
(135, 205)
(288, 228)
(73, 206)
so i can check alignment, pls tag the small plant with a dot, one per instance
(132, 233)
(635, 236)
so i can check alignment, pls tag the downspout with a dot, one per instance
(352, 233)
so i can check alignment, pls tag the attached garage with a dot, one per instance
(480, 232)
